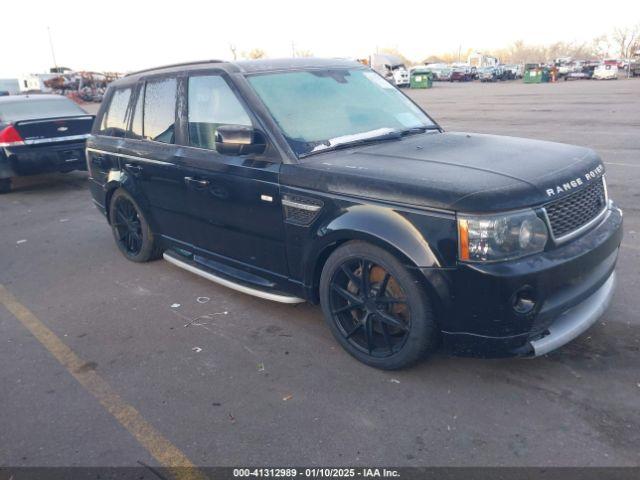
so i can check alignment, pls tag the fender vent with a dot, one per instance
(300, 210)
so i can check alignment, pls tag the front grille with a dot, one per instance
(576, 210)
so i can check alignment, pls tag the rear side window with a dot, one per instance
(212, 103)
(160, 110)
(114, 122)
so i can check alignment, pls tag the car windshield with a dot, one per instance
(27, 109)
(318, 110)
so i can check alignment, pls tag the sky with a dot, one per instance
(122, 36)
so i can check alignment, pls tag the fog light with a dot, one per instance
(524, 300)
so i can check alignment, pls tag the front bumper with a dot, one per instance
(574, 321)
(572, 285)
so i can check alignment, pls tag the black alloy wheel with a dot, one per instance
(369, 307)
(130, 228)
(376, 308)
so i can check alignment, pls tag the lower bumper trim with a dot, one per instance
(576, 320)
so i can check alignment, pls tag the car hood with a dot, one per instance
(454, 171)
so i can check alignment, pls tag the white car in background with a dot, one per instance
(605, 72)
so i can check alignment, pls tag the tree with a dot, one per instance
(627, 39)
(254, 54)
(304, 53)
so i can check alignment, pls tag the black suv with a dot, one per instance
(317, 180)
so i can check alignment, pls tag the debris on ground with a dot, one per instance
(202, 299)
(232, 419)
(287, 397)
(197, 349)
(21, 241)
(194, 321)
(261, 367)
(175, 305)
(394, 380)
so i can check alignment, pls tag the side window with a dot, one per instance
(212, 103)
(160, 110)
(114, 122)
(136, 122)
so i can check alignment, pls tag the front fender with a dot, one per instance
(399, 231)
(386, 226)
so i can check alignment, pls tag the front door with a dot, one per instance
(234, 199)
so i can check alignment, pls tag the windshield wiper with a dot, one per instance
(422, 129)
(392, 135)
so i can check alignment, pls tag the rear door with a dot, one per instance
(148, 160)
(104, 144)
(234, 199)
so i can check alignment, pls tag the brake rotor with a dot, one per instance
(376, 277)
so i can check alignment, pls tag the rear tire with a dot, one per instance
(383, 318)
(5, 185)
(130, 229)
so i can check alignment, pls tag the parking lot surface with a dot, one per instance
(228, 379)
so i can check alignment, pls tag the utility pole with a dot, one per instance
(53, 53)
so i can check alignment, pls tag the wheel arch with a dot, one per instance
(379, 226)
(121, 180)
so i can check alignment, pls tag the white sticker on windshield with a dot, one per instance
(377, 79)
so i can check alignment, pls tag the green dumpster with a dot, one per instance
(536, 74)
(421, 78)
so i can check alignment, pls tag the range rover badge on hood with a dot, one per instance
(576, 182)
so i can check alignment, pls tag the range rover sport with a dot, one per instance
(317, 180)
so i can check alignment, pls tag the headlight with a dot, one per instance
(489, 238)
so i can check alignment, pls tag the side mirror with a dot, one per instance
(239, 140)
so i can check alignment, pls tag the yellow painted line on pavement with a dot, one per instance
(168, 455)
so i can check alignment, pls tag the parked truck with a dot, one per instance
(391, 67)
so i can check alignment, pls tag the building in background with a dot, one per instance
(480, 60)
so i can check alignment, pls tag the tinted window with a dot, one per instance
(212, 103)
(160, 110)
(114, 122)
(136, 123)
(27, 109)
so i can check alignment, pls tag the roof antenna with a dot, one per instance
(53, 53)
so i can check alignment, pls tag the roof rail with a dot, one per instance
(184, 64)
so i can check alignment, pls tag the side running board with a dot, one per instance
(186, 265)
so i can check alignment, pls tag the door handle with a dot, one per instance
(133, 169)
(196, 182)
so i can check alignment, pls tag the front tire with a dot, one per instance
(130, 229)
(376, 308)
